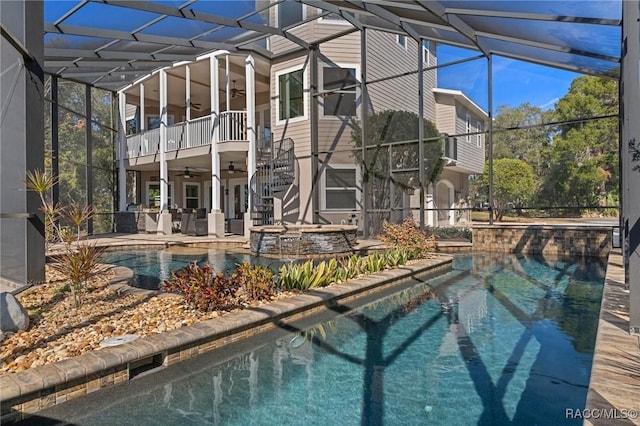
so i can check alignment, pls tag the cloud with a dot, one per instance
(549, 104)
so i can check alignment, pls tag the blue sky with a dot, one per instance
(514, 82)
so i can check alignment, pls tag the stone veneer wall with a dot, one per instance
(128, 222)
(560, 240)
(301, 240)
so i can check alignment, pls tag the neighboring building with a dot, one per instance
(456, 114)
(214, 160)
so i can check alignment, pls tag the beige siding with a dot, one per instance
(335, 132)
(446, 116)
(278, 44)
(385, 57)
(470, 156)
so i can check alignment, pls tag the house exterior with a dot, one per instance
(253, 141)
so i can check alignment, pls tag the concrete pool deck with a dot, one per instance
(614, 387)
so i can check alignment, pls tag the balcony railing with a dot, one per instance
(145, 143)
(200, 131)
(190, 134)
(176, 136)
(233, 125)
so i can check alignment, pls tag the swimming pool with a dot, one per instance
(499, 340)
(153, 266)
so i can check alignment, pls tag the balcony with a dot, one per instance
(191, 134)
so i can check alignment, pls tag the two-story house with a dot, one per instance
(256, 141)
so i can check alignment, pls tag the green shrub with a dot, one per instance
(449, 232)
(353, 265)
(304, 276)
(396, 257)
(375, 262)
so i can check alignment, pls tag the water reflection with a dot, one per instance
(152, 267)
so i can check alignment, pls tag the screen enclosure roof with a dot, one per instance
(111, 43)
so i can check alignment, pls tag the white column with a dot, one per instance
(250, 96)
(452, 204)
(122, 144)
(164, 172)
(227, 84)
(216, 217)
(432, 215)
(143, 124)
(187, 91)
(215, 132)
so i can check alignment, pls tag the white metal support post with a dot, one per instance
(164, 218)
(142, 124)
(215, 225)
(187, 103)
(250, 97)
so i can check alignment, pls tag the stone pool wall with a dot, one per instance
(558, 240)
(302, 240)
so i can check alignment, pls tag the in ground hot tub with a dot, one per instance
(302, 240)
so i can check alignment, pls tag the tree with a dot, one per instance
(514, 184)
(528, 144)
(393, 170)
(575, 178)
(72, 151)
(597, 139)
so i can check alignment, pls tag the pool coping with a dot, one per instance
(32, 390)
(614, 384)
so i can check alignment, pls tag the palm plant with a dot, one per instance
(41, 183)
(77, 263)
(78, 215)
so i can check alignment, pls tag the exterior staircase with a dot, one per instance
(274, 174)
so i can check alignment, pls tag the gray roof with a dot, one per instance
(110, 43)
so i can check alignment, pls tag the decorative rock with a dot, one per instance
(118, 340)
(13, 316)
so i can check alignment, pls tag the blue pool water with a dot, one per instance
(501, 341)
(153, 266)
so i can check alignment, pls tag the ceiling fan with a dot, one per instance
(195, 105)
(232, 169)
(235, 92)
(187, 174)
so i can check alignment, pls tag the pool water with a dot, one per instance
(153, 266)
(498, 341)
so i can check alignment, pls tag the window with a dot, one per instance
(468, 136)
(401, 40)
(343, 101)
(479, 135)
(425, 54)
(153, 121)
(290, 95)
(192, 195)
(340, 189)
(289, 13)
(153, 194)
